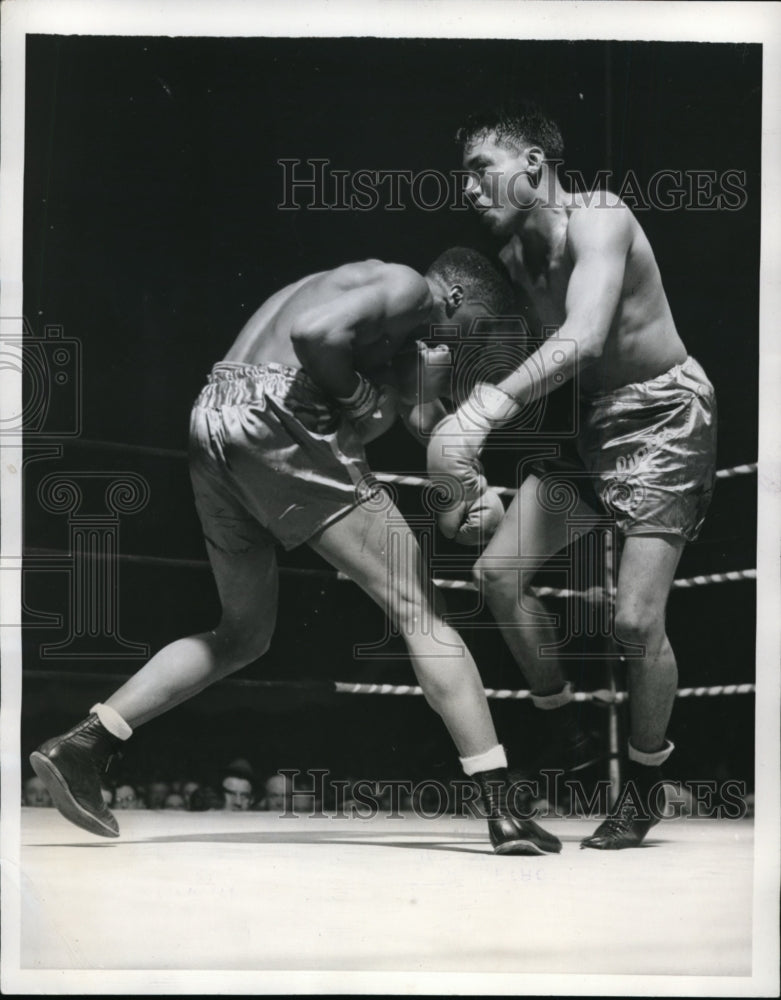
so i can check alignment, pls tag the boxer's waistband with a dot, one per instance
(232, 383)
(687, 375)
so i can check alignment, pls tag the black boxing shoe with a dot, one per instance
(569, 748)
(633, 815)
(71, 766)
(508, 834)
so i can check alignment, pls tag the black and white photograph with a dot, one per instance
(391, 478)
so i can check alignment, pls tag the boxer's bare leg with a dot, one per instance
(646, 572)
(645, 575)
(380, 553)
(247, 583)
(526, 539)
(74, 764)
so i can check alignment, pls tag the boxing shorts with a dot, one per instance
(271, 457)
(650, 450)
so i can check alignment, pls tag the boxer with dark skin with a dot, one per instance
(646, 432)
(277, 458)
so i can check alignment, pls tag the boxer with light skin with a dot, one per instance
(646, 432)
(277, 458)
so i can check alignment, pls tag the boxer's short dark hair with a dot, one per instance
(481, 279)
(515, 125)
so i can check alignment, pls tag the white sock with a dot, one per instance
(654, 759)
(111, 719)
(558, 700)
(487, 761)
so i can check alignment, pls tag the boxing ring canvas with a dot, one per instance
(353, 896)
(163, 172)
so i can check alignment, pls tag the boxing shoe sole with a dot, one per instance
(523, 846)
(612, 841)
(519, 847)
(605, 844)
(63, 798)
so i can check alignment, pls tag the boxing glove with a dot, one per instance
(481, 519)
(453, 454)
(371, 409)
(453, 465)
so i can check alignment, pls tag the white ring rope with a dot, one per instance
(384, 477)
(320, 686)
(597, 593)
(594, 594)
(603, 697)
(506, 491)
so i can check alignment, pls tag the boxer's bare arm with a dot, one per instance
(370, 319)
(599, 244)
(324, 338)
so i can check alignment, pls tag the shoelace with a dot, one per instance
(621, 822)
(496, 800)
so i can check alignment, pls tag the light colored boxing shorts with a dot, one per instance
(271, 457)
(650, 449)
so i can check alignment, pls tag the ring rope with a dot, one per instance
(320, 687)
(592, 594)
(507, 491)
(384, 477)
(596, 593)
(602, 697)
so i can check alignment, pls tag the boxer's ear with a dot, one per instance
(454, 299)
(535, 158)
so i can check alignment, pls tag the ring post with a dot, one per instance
(614, 764)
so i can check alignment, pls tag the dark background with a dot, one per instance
(152, 233)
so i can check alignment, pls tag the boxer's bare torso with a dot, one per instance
(376, 304)
(642, 340)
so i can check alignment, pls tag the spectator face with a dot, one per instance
(204, 798)
(156, 794)
(238, 794)
(277, 793)
(188, 789)
(34, 794)
(125, 797)
(174, 801)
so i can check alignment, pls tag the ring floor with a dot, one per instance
(255, 891)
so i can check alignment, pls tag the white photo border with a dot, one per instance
(555, 20)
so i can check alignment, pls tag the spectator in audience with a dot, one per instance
(238, 792)
(278, 794)
(156, 794)
(125, 797)
(174, 801)
(187, 791)
(35, 794)
(205, 798)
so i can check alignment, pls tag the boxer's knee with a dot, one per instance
(411, 612)
(500, 585)
(640, 627)
(240, 642)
